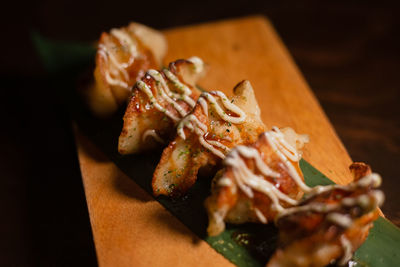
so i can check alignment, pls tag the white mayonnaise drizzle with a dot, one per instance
(203, 104)
(146, 89)
(225, 182)
(227, 104)
(185, 91)
(117, 68)
(362, 200)
(109, 79)
(260, 216)
(372, 179)
(347, 250)
(340, 219)
(343, 220)
(152, 133)
(200, 129)
(164, 93)
(287, 154)
(127, 41)
(195, 125)
(247, 181)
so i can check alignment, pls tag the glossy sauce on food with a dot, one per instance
(165, 96)
(192, 123)
(118, 69)
(332, 211)
(247, 181)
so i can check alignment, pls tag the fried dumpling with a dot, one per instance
(330, 223)
(158, 102)
(123, 56)
(206, 135)
(258, 180)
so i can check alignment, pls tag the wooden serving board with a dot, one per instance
(129, 227)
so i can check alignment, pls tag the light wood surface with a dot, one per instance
(132, 229)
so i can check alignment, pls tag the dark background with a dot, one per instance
(347, 50)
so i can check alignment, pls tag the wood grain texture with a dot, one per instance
(129, 227)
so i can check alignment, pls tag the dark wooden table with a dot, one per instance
(347, 50)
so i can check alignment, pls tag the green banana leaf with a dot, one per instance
(243, 245)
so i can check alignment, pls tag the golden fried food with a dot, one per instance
(123, 56)
(206, 135)
(258, 181)
(330, 223)
(158, 102)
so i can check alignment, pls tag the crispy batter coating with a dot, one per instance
(236, 193)
(328, 226)
(123, 56)
(204, 137)
(157, 103)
